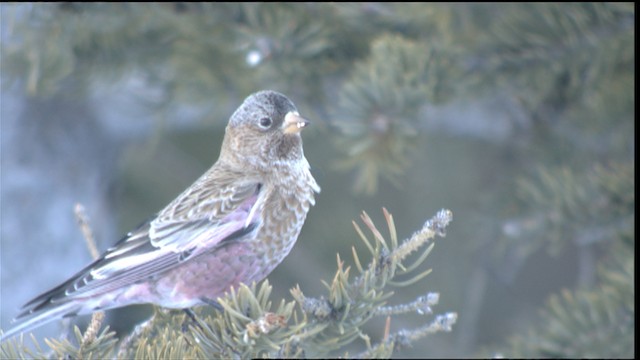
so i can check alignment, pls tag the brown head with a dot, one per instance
(264, 131)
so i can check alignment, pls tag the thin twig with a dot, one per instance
(83, 222)
(98, 317)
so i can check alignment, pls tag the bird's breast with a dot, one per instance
(289, 197)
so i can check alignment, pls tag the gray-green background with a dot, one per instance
(517, 117)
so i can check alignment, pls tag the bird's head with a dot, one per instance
(264, 131)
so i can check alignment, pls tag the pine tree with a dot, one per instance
(519, 115)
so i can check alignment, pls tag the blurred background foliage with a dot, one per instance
(518, 117)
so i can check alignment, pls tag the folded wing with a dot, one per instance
(204, 217)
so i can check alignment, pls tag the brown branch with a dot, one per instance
(98, 317)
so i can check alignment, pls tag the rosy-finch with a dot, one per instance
(235, 224)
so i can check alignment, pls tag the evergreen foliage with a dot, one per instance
(375, 72)
(588, 323)
(250, 326)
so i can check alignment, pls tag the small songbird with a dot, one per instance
(234, 225)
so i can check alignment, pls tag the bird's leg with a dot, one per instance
(216, 305)
(193, 317)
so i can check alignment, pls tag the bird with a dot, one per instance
(233, 225)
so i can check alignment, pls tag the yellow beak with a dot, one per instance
(293, 123)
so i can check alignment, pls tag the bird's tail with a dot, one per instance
(32, 321)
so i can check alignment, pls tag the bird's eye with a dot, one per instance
(265, 122)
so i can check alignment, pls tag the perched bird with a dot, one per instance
(235, 224)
